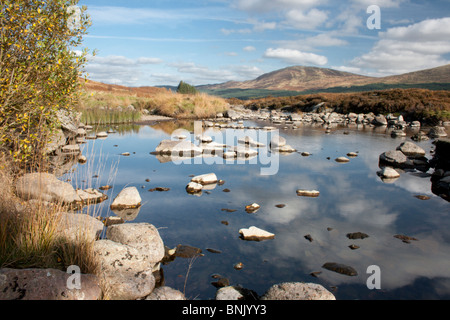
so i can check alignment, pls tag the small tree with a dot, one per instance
(186, 88)
(39, 70)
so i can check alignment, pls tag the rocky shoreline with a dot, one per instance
(130, 254)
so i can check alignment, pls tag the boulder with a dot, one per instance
(76, 226)
(56, 140)
(68, 122)
(166, 293)
(194, 187)
(245, 152)
(308, 193)
(277, 142)
(437, 132)
(208, 178)
(46, 284)
(46, 187)
(102, 134)
(297, 291)
(255, 234)
(178, 148)
(394, 158)
(142, 236)
(380, 120)
(388, 173)
(128, 198)
(411, 150)
(126, 273)
(91, 196)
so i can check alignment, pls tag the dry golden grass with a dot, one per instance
(30, 235)
(186, 106)
(161, 101)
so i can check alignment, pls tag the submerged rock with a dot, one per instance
(357, 235)
(340, 268)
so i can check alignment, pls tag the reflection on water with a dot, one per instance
(352, 198)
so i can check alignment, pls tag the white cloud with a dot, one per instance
(279, 5)
(257, 26)
(309, 20)
(405, 49)
(381, 3)
(199, 74)
(249, 48)
(311, 43)
(118, 69)
(295, 56)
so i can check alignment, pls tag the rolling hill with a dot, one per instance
(300, 78)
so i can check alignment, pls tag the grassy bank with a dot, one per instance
(426, 105)
(29, 233)
(108, 107)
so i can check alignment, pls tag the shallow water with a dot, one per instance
(352, 198)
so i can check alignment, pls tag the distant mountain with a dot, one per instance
(300, 78)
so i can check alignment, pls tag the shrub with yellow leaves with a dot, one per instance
(40, 69)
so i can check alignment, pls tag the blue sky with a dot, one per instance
(160, 42)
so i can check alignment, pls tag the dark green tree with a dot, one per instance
(185, 88)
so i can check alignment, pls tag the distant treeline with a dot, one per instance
(249, 94)
(414, 104)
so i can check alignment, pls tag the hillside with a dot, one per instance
(414, 104)
(121, 90)
(300, 78)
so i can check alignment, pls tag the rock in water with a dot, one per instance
(340, 268)
(388, 173)
(411, 150)
(255, 234)
(357, 235)
(208, 178)
(308, 193)
(297, 291)
(194, 187)
(128, 198)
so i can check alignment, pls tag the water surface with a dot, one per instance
(352, 198)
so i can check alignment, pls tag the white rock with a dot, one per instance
(128, 198)
(194, 187)
(255, 234)
(308, 193)
(277, 141)
(298, 291)
(207, 178)
(101, 134)
(388, 173)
